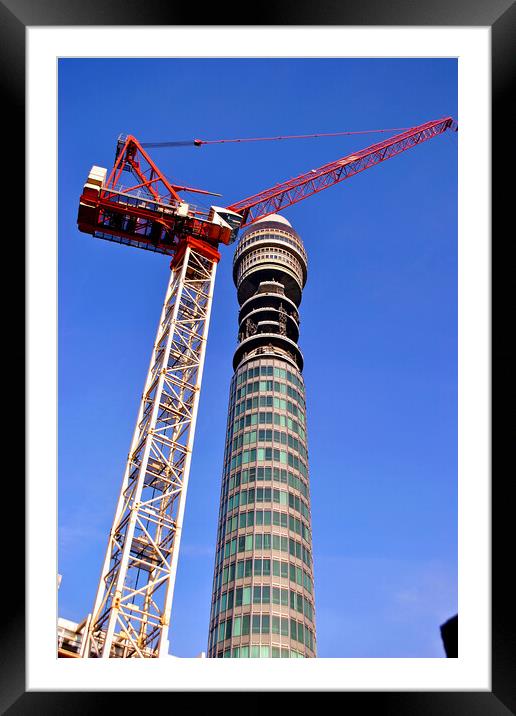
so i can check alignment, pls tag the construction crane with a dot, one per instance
(131, 614)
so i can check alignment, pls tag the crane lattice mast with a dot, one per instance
(133, 604)
(131, 614)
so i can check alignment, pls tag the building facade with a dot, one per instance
(263, 586)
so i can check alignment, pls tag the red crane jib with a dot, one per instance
(151, 215)
(294, 190)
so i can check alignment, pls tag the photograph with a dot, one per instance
(260, 352)
(257, 407)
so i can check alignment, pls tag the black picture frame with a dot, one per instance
(500, 16)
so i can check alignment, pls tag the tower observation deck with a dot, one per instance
(263, 588)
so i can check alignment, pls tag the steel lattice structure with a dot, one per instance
(294, 190)
(132, 608)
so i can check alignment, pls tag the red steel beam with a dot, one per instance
(132, 153)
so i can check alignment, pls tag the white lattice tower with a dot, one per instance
(132, 609)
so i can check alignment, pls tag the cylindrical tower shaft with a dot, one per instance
(263, 587)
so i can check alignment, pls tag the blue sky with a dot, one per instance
(378, 330)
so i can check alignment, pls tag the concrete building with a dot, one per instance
(69, 638)
(263, 588)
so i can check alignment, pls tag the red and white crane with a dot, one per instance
(132, 609)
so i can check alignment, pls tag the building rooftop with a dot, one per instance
(274, 217)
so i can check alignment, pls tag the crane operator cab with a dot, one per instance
(227, 219)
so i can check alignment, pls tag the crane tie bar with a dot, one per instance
(200, 142)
